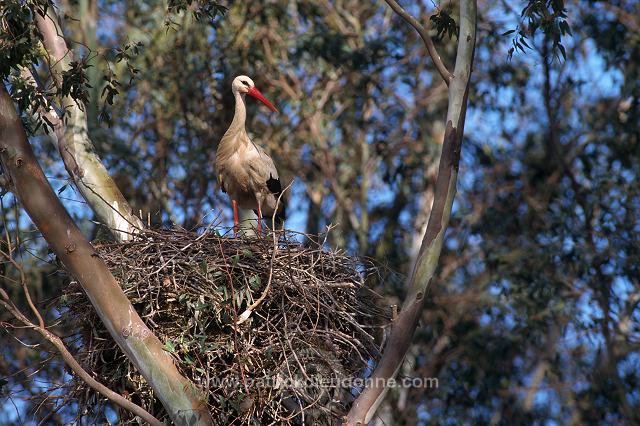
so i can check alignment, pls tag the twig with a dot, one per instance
(27, 293)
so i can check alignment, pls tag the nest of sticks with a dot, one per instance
(272, 331)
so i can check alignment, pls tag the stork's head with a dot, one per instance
(244, 85)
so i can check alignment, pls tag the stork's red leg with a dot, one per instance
(236, 222)
(259, 219)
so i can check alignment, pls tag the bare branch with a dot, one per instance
(424, 34)
(23, 281)
(68, 357)
(76, 148)
(405, 325)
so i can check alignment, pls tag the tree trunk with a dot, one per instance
(404, 326)
(179, 396)
(88, 10)
(76, 148)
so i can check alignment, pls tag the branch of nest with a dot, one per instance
(307, 321)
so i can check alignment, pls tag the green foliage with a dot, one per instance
(445, 25)
(21, 51)
(127, 54)
(169, 346)
(75, 82)
(109, 92)
(28, 98)
(19, 41)
(202, 10)
(547, 16)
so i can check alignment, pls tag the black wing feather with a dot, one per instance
(274, 185)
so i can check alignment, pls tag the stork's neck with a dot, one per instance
(240, 116)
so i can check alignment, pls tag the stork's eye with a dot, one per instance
(245, 82)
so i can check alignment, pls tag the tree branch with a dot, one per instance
(76, 148)
(405, 324)
(68, 357)
(178, 395)
(424, 34)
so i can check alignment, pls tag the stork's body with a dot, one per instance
(245, 171)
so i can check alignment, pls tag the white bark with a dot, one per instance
(78, 153)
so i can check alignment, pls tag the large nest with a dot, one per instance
(271, 330)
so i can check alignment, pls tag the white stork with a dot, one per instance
(245, 171)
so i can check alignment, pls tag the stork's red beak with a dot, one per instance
(256, 94)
